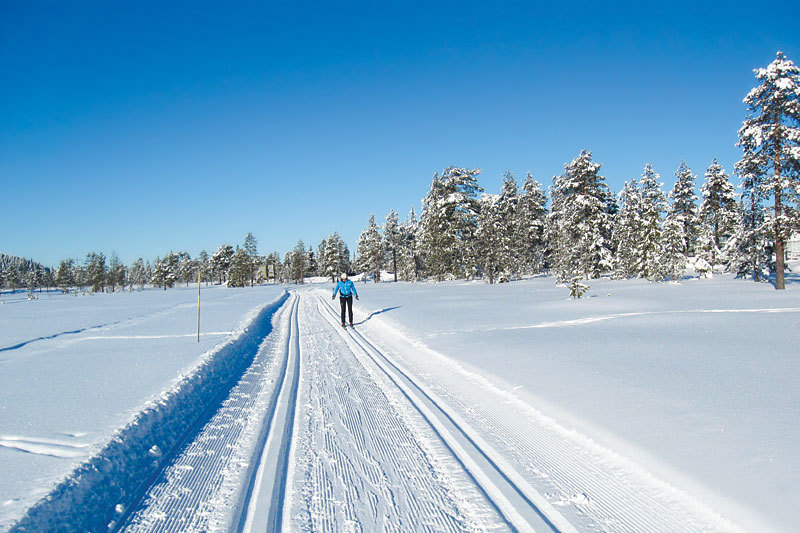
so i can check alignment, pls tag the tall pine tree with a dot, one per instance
(770, 140)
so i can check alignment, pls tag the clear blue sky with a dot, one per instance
(142, 127)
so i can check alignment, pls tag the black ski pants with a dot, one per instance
(347, 303)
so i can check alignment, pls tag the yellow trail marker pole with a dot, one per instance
(198, 307)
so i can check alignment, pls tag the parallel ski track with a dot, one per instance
(187, 495)
(520, 505)
(365, 459)
(262, 505)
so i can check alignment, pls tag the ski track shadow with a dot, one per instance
(372, 314)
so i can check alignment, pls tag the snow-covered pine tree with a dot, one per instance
(509, 248)
(719, 214)
(437, 242)
(627, 231)
(749, 250)
(297, 262)
(239, 274)
(312, 265)
(683, 208)
(116, 272)
(204, 264)
(251, 248)
(673, 258)
(770, 140)
(489, 238)
(64, 275)
(578, 224)
(392, 240)
(449, 221)
(96, 271)
(653, 207)
(410, 260)
(221, 261)
(530, 223)
(138, 274)
(371, 253)
(165, 271)
(336, 257)
(187, 268)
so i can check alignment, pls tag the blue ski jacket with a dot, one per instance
(345, 288)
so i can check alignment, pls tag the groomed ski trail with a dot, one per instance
(521, 507)
(317, 435)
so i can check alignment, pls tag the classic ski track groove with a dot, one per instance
(521, 506)
(366, 459)
(266, 494)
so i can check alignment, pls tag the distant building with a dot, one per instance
(793, 247)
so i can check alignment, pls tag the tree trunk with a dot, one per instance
(780, 284)
(394, 263)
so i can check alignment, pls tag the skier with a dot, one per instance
(346, 290)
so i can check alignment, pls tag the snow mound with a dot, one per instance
(94, 496)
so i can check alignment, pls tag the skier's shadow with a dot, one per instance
(372, 314)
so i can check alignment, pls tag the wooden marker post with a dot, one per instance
(198, 307)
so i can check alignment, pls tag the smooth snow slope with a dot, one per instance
(75, 369)
(696, 383)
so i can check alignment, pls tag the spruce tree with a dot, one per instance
(489, 238)
(653, 206)
(298, 270)
(719, 214)
(509, 249)
(165, 271)
(770, 140)
(449, 220)
(138, 274)
(530, 223)
(64, 275)
(683, 208)
(96, 271)
(221, 261)
(392, 239)
(251, 248)
(116, 272)
(578, 224)
(411, 266)
(370, 250)
(627, 231)
(240, 272)
(336, 257)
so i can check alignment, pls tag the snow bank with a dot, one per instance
(97, 493)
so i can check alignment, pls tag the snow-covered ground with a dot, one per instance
(696, 383)
(73, 370)
(461, 406)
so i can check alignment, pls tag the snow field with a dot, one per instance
(101, 488)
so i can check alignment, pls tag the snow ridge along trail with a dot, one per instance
(207, 485)
(99, 493)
